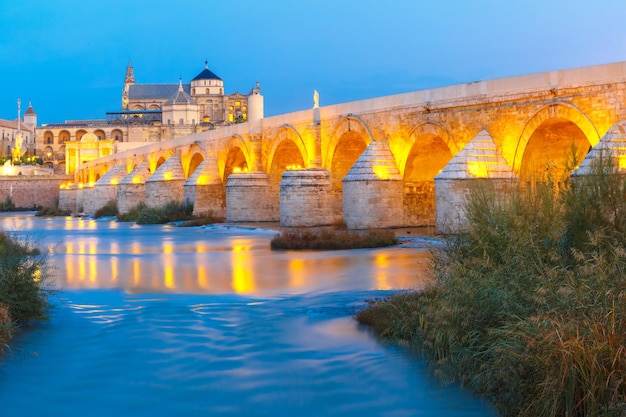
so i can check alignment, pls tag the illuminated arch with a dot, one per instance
(426, 130)
(235, 144)
(192, 158)
(347, 124)
(558, 110)
(286, 133)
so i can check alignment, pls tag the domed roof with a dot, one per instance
(206, 74)
(89, 137)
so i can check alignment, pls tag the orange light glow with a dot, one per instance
(167, 176)
(479, 169)
(382, 172)
(293, 167)
(136, 179)
(114, 181)
(202, 180)
(236, 170)
(243, 274)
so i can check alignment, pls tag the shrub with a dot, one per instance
(332, 239)
(529, 307)
(23, 285)
(7, 205)
(51, 211)
(170, 212)
(108, 210)
(132, 214)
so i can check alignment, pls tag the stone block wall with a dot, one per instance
(67, 199)
(248, 198)
(31, 191)
(451, 196)
(129, 196)
(206, 199)
(99, 196)
(159, 193)
(419, 203)
(372, 204)
(305, 198)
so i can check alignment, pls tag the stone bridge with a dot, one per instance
(368, 163)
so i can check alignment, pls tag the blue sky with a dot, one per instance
(69, 56)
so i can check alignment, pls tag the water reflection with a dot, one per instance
(97, 254)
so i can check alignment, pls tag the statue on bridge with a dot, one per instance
(316, 99)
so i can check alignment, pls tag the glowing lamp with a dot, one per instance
(202, 180)
(167, 176)
(136, 179)
(114, 181)
(236, 170)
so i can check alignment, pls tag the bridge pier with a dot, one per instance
(67, 197)
(166, 184)
(248, 198)
(105, 189)
(305, 198)
(479, 163)
(372, 190)
(205, 191)
(131, 191)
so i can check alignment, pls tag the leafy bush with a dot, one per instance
(108, 210)
(23, 285)
(51, 211)
(529, 307)
(7, 205)
(132, 214)
(332, 239)
(170, 212)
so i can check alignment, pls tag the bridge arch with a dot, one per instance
(429, 148)
(548, 139)
(349, 139)
(192, 158)
(284, 139)
(349, 123)
(236, 156)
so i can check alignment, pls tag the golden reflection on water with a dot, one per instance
(168, 265)
(296, 273)
(381, 261)
(243, 272)
(240, 265)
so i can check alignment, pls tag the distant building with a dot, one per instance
(149, 113)
(9, 128)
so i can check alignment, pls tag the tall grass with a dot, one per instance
(529, 307)
(23, 285)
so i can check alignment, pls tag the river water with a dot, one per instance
(166, 321)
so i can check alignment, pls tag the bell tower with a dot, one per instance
(128, 81)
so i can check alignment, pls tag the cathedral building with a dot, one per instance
(149, 113)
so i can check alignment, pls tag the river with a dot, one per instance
(166, 321)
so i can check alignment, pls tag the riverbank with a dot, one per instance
(528, 308)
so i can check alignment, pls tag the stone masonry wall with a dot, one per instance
(248, 198)
(305, 198)
(372, 204)
(27, 192)
(159, 193)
